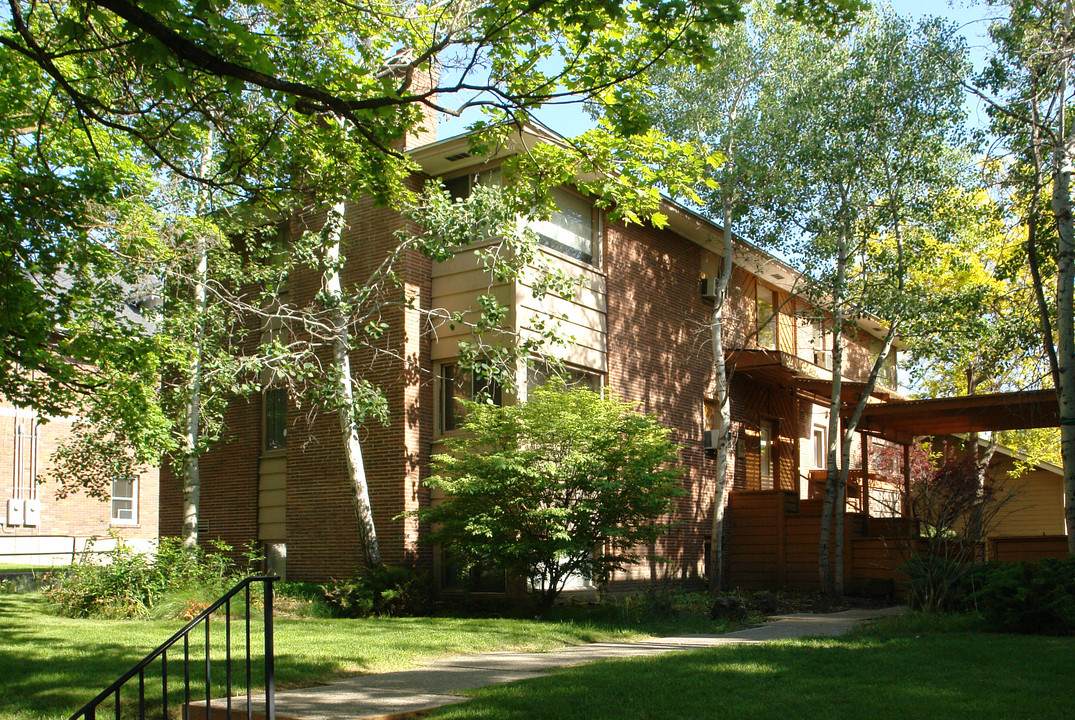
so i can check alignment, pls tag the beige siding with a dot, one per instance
(1038, 504)
(272, 497)
(456, 285)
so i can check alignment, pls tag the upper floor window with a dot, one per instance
(275, 419)
(887, 375)
(125, 501)
(457, 384)
(570, 229)
(539, 373)
(766, 318)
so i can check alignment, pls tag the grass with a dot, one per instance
(908, 669)
(51, 665)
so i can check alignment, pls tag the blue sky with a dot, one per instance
(971, 16)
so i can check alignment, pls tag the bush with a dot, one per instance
(395, 592)
(1024, 597)
(569, 483)
(128, 583)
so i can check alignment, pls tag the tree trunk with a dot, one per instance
(1065, 321)
(344, 391)
(832, 475)
(192, 478)
(724, 412)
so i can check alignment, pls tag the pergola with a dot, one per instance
(902, 421)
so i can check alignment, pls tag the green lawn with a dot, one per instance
(893, 673)
(50, 665)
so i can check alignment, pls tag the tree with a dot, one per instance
(717, 107)
(311, 103)
(869, 139)
(1027, 85)
(567, 483)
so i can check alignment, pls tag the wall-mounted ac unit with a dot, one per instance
(709, 288)
(31, 513)
(14, 512)
(711, 439)
(823, 358)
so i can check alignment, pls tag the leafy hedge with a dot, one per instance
(391, 591)
(1024, 597)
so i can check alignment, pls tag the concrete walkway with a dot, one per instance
(396, 695)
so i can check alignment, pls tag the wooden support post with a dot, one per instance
(906, 504)
(865, 489)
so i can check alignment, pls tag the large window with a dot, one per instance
(125, 501)
(570, 229)
(457, 384)
(539, 373)
(766, 321)
(887, 376)
(275, 420)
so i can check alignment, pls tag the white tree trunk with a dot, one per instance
(192, 478)
(341, 347)
(833, 473)
(724, 412)
(1065, 322)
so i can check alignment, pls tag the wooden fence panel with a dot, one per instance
(1034, 547)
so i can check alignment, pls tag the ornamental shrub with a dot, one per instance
(571, 482)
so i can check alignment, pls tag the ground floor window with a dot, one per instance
(125, 501)
(456, 384)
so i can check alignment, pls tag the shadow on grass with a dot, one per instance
(946, 677)
(51, 666)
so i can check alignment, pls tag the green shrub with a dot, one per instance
(169, 582)
(1025, 597)
(395, 592)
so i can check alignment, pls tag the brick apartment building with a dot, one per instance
(38, 528)
(637, 323)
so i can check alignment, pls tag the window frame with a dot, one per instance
(766, 481)
(591, 259)
(820, 459)
(132, 499)
(265, 406)
(442, 398)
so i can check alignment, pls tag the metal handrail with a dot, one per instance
(89, 710)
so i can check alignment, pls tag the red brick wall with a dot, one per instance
(78, 514)
(659, 357)
(322, 540)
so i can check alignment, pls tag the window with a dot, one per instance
(459, 187)
(766, 320)
(125, 501)
(539, 373)
(275, 419)
(821, 448)
(887, 375)
(458, 384)
(766, 456)
(570, 229)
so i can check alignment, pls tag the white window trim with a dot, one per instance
(133, 520)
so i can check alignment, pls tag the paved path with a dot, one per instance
(397, 695)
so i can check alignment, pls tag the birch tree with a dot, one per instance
(716, 107)
(1029, 90)
(872, 128)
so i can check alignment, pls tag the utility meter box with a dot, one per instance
(31, 513)
(14, 512)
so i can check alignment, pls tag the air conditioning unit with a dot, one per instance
(14, 512)
(712, 438)
(709, 288)
(823, 358)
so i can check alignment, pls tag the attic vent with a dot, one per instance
(777, 276)
(457, 157)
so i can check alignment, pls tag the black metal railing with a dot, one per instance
(89, 710)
